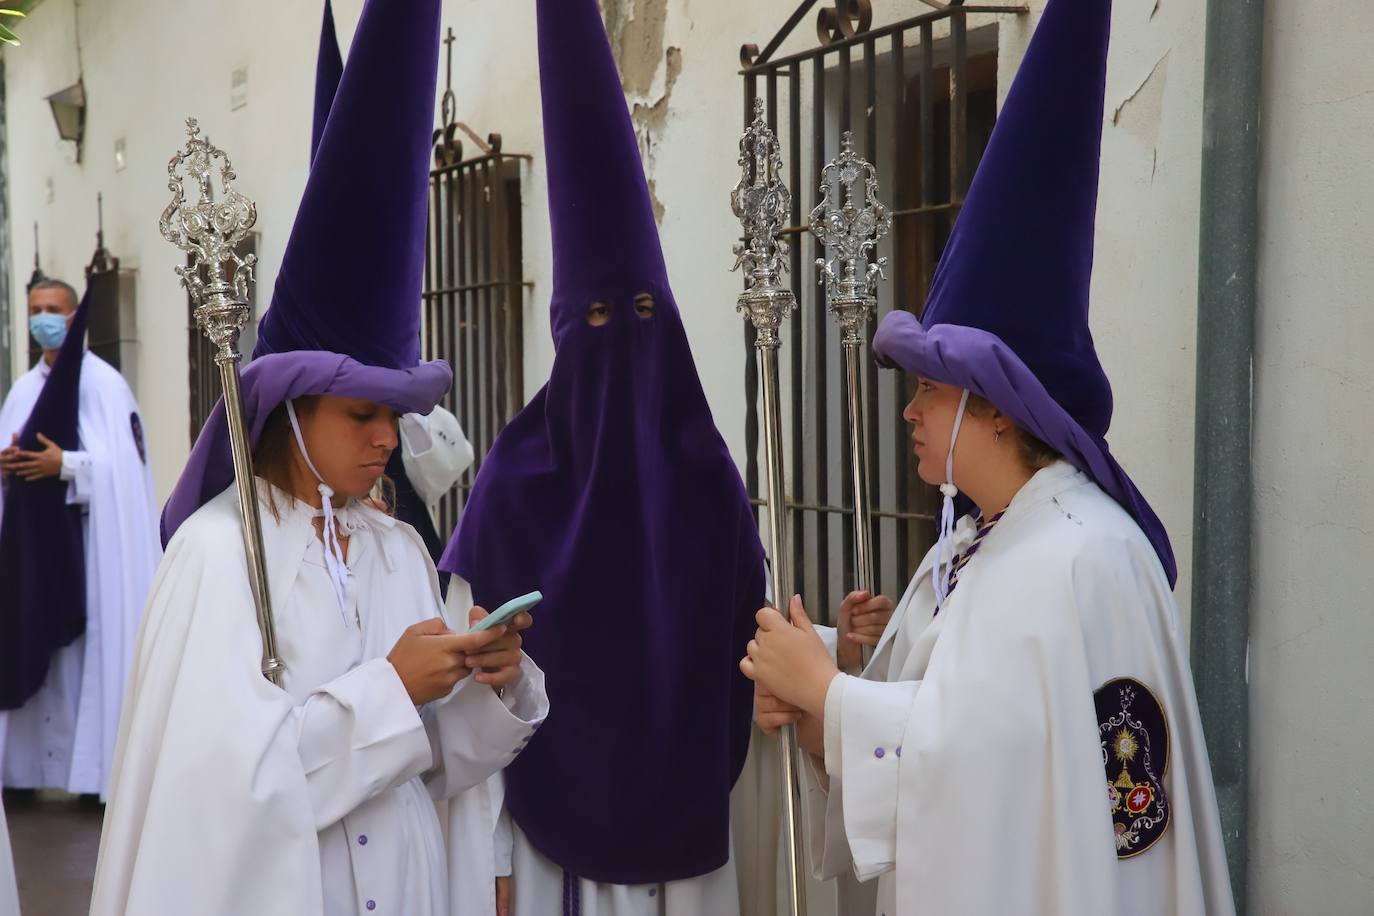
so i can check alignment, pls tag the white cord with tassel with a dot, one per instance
(944, 543)
(333, 552)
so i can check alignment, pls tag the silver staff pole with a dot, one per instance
(849, 221)
(762, 203)
(209, 231)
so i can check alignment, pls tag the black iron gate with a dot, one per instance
(920, 96)
(474, 291)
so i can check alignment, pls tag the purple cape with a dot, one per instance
(42, 556)
(613, 493)
(1007, 316)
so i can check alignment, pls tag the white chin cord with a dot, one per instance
(945, 542)
(333, 553)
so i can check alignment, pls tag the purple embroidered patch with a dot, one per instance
(1134, 732)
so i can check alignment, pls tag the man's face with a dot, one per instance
(54, 300)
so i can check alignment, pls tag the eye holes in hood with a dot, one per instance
(644, 305)
(599, 312)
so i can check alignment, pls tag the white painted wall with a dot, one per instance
(145, 71)
(1313, 741)
(1312, 738)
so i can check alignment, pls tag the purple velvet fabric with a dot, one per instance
(1007, 316)
(351, 277)
(328, 72)
(613, 493)
(42, 555)
(1019, 260)
(270, 380)
(335, 326)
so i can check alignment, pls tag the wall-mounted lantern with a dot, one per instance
(69, 111)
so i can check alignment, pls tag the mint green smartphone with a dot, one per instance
(506, 611)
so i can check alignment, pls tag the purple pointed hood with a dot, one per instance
(1007, 315)
(42, 554)
(351, 277)
(328, 73)
(345, 313)
(613, 493)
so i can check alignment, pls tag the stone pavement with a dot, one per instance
(55, 839)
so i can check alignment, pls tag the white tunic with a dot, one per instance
(965, 768)
(541, 888)
(231, 796)
(63, 737)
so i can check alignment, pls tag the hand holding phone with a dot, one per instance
(506, 611)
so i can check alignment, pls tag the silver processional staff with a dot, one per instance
(849, 221)
(762, 203)
(209, 230)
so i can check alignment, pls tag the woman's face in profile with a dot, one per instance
(350, 441)
(931, 413)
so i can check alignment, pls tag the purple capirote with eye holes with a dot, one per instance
(613, 493)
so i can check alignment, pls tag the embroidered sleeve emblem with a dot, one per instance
(1135, 752)
(136, 426)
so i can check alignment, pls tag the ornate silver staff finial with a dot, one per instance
(210, 230)
(762, 203)
(849, 221)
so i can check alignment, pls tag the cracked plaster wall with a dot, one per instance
(648, 74)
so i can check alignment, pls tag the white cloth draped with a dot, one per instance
(435, 453)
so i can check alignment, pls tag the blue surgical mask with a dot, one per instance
(48, 329)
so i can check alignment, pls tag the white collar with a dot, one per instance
(1044, 485)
